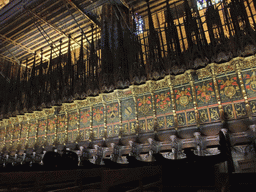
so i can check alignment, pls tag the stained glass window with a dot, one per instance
(139, 24)
(201, 4)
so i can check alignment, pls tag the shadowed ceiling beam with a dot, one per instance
(55, 28)
(8, 58)
(4, 38)
(95, 22)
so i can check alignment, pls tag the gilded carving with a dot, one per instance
(203, 73)
(229, 111)
(214, 114)
(150, 124)
(132, 127)
(110, 131)
(203, 116)
(161, 122)
(240, 109)
(116, 130)
(191, 117)
(169, 121)
(126, 128)
(181, 119)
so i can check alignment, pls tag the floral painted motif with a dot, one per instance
(144, 104)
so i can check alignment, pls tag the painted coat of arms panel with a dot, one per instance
(205, 93)
(249, 78)
(98, 115)
(128, 109)
(229, 88)
(85, 117)
(145, 107)
(112, 112)
(183, 97)
(163, 102)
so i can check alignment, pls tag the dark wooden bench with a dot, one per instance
(111, 178)
(79, 179)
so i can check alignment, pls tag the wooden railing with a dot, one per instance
(100, 179)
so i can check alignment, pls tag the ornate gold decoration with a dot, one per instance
(170, 81)
(197, 119)
(214, 114)
(203, 73)
(213, 70)
(239, 74)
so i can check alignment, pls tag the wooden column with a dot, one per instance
(137, 127)
(78, 138)
(20, 118)
(239, 74)
(191, 81)
(66, 124)
(27, 134)
(170, 82)
(91, 136)
(212, 66)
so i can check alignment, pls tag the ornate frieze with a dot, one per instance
(189, 99)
